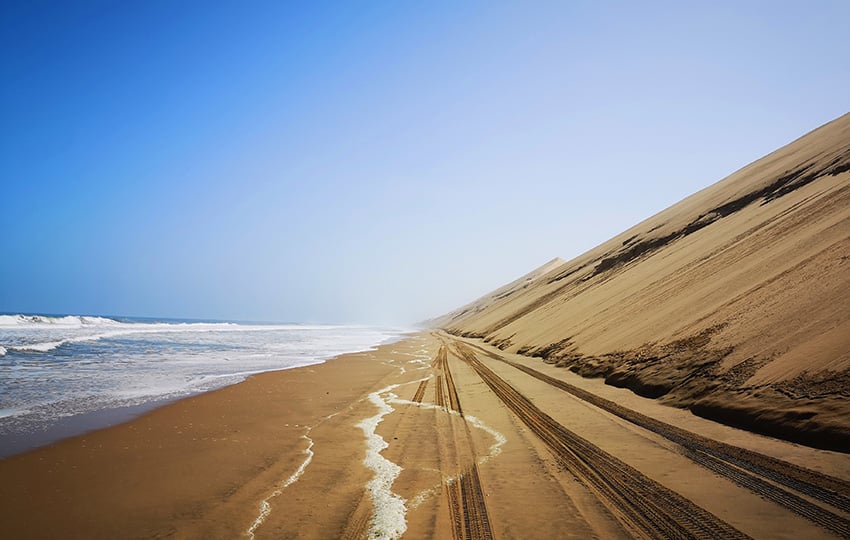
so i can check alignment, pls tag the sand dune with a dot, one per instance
(734, 302)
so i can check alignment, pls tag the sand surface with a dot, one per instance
(734, 302)
(431, 437)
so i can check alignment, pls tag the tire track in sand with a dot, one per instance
(644, 507)
(465, 496)
(463, 492)
(743, 467)
(420, 392)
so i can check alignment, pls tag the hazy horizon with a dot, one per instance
(377, 164)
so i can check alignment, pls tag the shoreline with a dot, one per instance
(79, 424)
(375, 443)
(188, 454)
(27, 440)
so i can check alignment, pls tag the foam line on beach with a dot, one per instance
(420, 357)
(265, 505)
(389, 520)
(115, 329)
(47, 346)
(495, 448)
(422, 361)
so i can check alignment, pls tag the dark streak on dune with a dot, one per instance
(783, 185)
(789, 420)
(688, 373)
(567, 274)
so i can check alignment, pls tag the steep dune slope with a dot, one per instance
(499, 296)
(734, 302)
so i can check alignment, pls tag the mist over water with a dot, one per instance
(55, 368)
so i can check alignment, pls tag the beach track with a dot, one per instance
(462, 441)
(644, 507)
(754, 471)
(635, 504)
(464, 493)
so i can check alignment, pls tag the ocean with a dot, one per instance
(64, 375)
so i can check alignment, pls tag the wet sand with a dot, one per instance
(196, 467)
(421, 438)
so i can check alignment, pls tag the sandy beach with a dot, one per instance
(431, 437)
(277, 270)
(596, 398)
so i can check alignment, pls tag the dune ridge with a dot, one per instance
(733, 303)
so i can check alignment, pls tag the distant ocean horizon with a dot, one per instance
(61, 375)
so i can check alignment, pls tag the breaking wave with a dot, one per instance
(42, 333)
(66, 320)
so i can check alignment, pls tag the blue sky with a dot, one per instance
(374, 162)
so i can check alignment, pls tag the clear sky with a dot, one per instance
(373, 162)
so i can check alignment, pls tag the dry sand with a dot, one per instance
(462, 459)
(734, 302)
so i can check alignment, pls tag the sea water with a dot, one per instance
(55, 369)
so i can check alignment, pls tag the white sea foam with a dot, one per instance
(2, 351)
(46, 346)
(67, 320)
(495, 449)
(61, 366)
(421, 361)
(265, 505)
(389, 520)
(421, 357)
(43, 334)
(499, 439)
